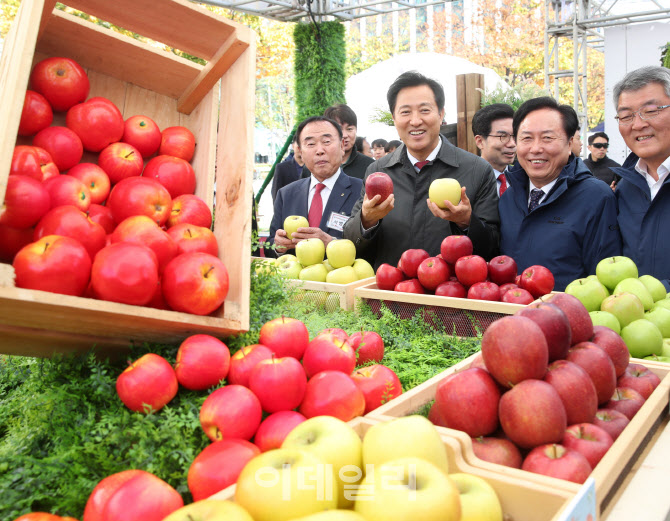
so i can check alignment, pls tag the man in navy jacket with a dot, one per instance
(555, 213)
(320, 142)
(642, 99)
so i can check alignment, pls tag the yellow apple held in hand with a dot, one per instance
(210, 510)
(340, 253)
(443, 189)
(479, 502)
(293, 222)
(344, 275)
(310, 251)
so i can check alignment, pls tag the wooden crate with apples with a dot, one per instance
(215, 101)
(609, 474)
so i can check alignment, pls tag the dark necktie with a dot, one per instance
(421, 164)
(316, 208)
(503, 183)
(535, 196)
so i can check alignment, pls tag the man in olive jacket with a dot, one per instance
(407, 219)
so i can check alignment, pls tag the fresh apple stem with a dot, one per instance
(46, 246)
(211, 268)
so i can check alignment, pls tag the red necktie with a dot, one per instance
(503, 183)
(316, 208)
(421, 164)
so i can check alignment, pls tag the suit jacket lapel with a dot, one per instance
(338, 196)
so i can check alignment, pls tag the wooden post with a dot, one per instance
(469, 101)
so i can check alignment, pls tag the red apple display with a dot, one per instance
(177, 141)
(470, 270)
(12, 240)
(36, 114)
(231, 412)
(69, 221)
(97, 122)
(26, 201)
(285, 337)
(279, 383)
(143, 133)
(538, 280)
(502, 269)
(140, 196)
(274, 429)
(339, 333)
(191, 238)
(327, 352)
(626, 401)
(454, 247)
(189, 208)
(94, 178)
(67, 190)
(63, 145)
(202, 362)
(119, 161)
(141, 230)
(103, 216)
(410, 261)
(369, 346)
(589, 440)
(26, 161)
(333, 393)
(387, 277)
(612, 343)
(432, 272)
(558, 461)
(410, 286)
(484, 291)
(451, 288)
(379, 385)
(598, 365)
(175, 174)
(576, 390)
(555, 326)
(578, 316)
(640, 379)
(516, 296)
(378, 183)
(497, 450)
(147, 384)
(611, 421)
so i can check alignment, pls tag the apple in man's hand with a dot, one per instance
(445, 189)
(378, 183)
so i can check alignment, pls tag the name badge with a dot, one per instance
(336, 221)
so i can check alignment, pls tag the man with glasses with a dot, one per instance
(492, 127)
(598, 162)
(642, 100)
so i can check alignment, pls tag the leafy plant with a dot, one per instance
(665, 56)
(382, 116)
(513, 96)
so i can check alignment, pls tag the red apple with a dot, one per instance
(177, 141)
(63, 145)
(36, 114)
(516, 296)
(378, 183)
(243, 361)
(388, 276)
(538, 280)
(514, 349)
(470, 270)
(497, 450)
(454, 247)
(578, 315)
(26, 201)
(43, 516)
(369, 346)
(558, 461)
(103, 216)
(640, 379)
(26, 161)
(626, 401)
(598, 365)
(576, 390)
(120, 160)
(612, 343)
(279, 383)
(97, 122)
(94, 178)
(173, 173)
(140, 229)
(189, 208)
(484, 291)
(140, 196)
(190, 238)
(333, 393)
(555, 326)
(285, 337)
(502, 270)
(468, 401)
(202, 362)
(12, 240)
(410, 286)
(230, 412)
(451, 288)
(379, 385)
(147, 384)
(410, 261)
(47, 165)
(432, 272)
(67, 190)
(339, 333)
(274, 429)
(327, 352)
(614, 422)
(218, 466)
(592, 441)
(435, 416)
(69, 221)
(508, 286)
(143, 133)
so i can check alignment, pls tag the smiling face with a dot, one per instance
(650, 139)
(497, 154)
(598, 153)
(543, 147)
(417, 119)
(321, 149)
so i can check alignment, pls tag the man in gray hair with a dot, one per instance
(642, 100)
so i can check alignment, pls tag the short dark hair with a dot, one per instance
(568, 114)
(484, 117)
(343, 113)
(379, 143)
(359, 143)
(593, 137)
(313, 119)
(414, 79)
(392, 145)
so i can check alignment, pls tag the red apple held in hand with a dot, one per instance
(243, 361)
(231, 412)
(285, 337)
(148, 384)
(640, 379)
(68, 221)
(588, 439)
(62, 81)
(333, 393)
(378, 183)
(26, 201)
(612, 343)
(279, 383)
(143, 133)
(379, 385)
(36, 114)
(626, 401)
(532, 414)
(12, 240)
(578, 316)
(598, 365)
(388, 276)
(189, 208)
(202, 362)
(576, 390)
(454, 247)
(339, 333)
(484, 291)
(63, 145)
(178, 142)
(558, 461)
(274, 429)
(497, 450)
(195, 283)
(132, 495)
(451, 288)
(369, 346)
(432, 272)
(410, 286)
(120, 160)
(327, 352)
(611, 421)
(218, 466)
(516, 296)
(140, 196)
(140, 229)
(514, 349)
(173, 173)
(410, 261)
(468, 401)
(97, 122)
(555, 326)
(191, 238)
(470, 270)
(53, 263)
(502, 270)
(538, 280)
(103, 216)
(94, 178)
(67, 190)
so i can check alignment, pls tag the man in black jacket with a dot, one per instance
(598, 162)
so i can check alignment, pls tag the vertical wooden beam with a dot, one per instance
(468, 101)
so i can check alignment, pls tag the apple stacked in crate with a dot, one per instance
(560, 389)
(638, 308)
(119, 230)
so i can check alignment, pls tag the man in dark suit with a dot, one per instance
(288, 170)
(326, 197)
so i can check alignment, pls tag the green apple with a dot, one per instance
(656, 358)
(336, 443)
(310, 251)
(643, 338)
(409, 436)
(210, 510)
(626, 307)
(340, 253)
(655, 287)
(327, 265)
(661, 317)
(282, 484)
(663, 303)
(479, 501)
(264, 265)
(293, 222)
(637, 288)
(612, 270)
(590, 292)
(363, 269)
(332, 303)
(333, 515)
(445, 188)
(286, 258)
(315, 272)
(290, 269)
(603, 318)
(408, 489)
(344, 275)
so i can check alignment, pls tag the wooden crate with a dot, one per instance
(140, 78)
(608, 474)
(521, 500)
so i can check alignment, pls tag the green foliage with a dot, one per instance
(513, 96)
(665, 56)
(319, 67)
(382, 116)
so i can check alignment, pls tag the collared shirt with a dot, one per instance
(325, 193)
(430, 157)
(546, 189)
(662, 172)
(498, 181)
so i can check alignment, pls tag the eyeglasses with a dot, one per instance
(504, 137)
(601, 145)
(645, 114)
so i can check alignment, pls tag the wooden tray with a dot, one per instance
(140, 78)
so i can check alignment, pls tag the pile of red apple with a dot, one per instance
(119, 230)
(550, 392)
(456, 272)
(285, 376)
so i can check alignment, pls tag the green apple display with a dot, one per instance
(603, 318)
(315, 273)
(642, 338)
(661, 317)
(663, 303)
(657, 358)
(363, 269)
(310, 251)
(293, 222)
(210, 510)
(336, 443)
(655, 287)
(479, 501)
(327, 265)
(665, 349)
(590, 292)
(340, 253)
(612, 270)
(286, 258)
(626, 307)
(344, 275)
(290, 269)
(637, 288)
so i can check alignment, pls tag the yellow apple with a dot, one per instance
(290, 269)
(327, 265)
(344, 275)
(264, 265)
(210, 510)
(341, 252)
(363, 269)
(333, 515)
(310, 251)
(293, 222)
(479, 502)
(286, 258)
(315, 272)
(443, 189)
